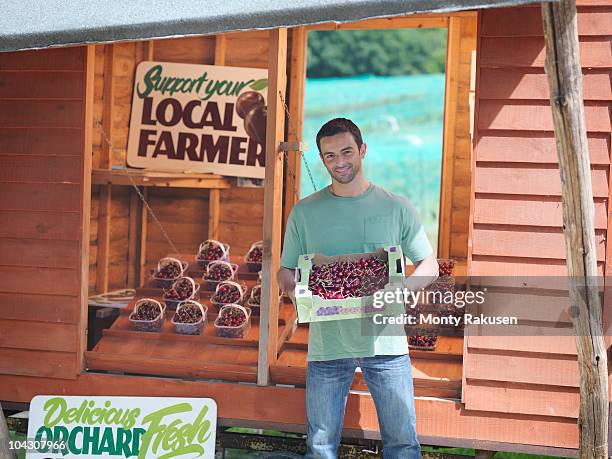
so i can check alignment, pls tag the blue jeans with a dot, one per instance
(389, 378)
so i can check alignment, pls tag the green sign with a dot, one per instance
(140, 427)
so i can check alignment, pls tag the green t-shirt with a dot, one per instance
(333, 225)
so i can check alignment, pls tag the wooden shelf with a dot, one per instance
(158, 179)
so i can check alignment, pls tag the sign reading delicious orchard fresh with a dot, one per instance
(199, 118)
(143, 427)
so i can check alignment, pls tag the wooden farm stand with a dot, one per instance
(72, 225)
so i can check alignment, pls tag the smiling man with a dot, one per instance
(353, 215)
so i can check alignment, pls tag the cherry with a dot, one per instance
(255, 123)
(248, 100)
(348, 279)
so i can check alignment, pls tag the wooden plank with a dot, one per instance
(517, 84)
(297, 79)
(133, 239)
(529, 243)
(214, 210)
(39, 141)
(413, 22)
(529, 306)
(39, 225)
(44, 308)
(38, 253)
(521, 116)
(533, 340)
(103, 239)
(528, 212)
(531, 181)
(522, 399)
(52, 281)
(273, 204)
(41, 113)
(248, 49)
(57, 197)
(534, 147)
(180, 233)
(188, 50)
(242, 403)
(542, 370)
(44, 364)
(61, 59)
(448, 141)
(34, 85)
(39, 168)
(15, 334)
(527, 21)
(526, 267)
(529, 52)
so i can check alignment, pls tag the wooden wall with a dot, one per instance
(517, 217)
(182, 212)
(44, 210)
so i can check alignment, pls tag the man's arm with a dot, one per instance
(425, 272)
(286, 281)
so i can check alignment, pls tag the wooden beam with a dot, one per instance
(220, 49)
(88, 101)
(417, 21)
(133, 239)
(104, 214)
(297, 75)
(214, 210)
(565, 83)
(159, 179)
(448, 143)
(273, 204)
(142, 256)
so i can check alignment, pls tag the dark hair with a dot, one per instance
(337, 126)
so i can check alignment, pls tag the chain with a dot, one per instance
(142, 198)
(295, 131)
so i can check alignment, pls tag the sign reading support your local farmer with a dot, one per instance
(199, 118)
(143, 427)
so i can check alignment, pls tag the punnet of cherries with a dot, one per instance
(349, 279)
(423, 338)
(171, 270)
(218, 272)
(256, 295)
(188, 314)
(146, 311)
(181, 291)
(210, 250)
(231, 317)
(446, 267)
(227, 293)
(255, 255)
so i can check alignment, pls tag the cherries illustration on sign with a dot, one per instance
(251, 107)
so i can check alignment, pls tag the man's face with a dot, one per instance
(341, 157)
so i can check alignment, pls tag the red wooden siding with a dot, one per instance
(517, 214)
(43, 174)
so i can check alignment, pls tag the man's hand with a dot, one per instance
(286, 281)
(425, 272)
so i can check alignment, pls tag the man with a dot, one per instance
(353, 215)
